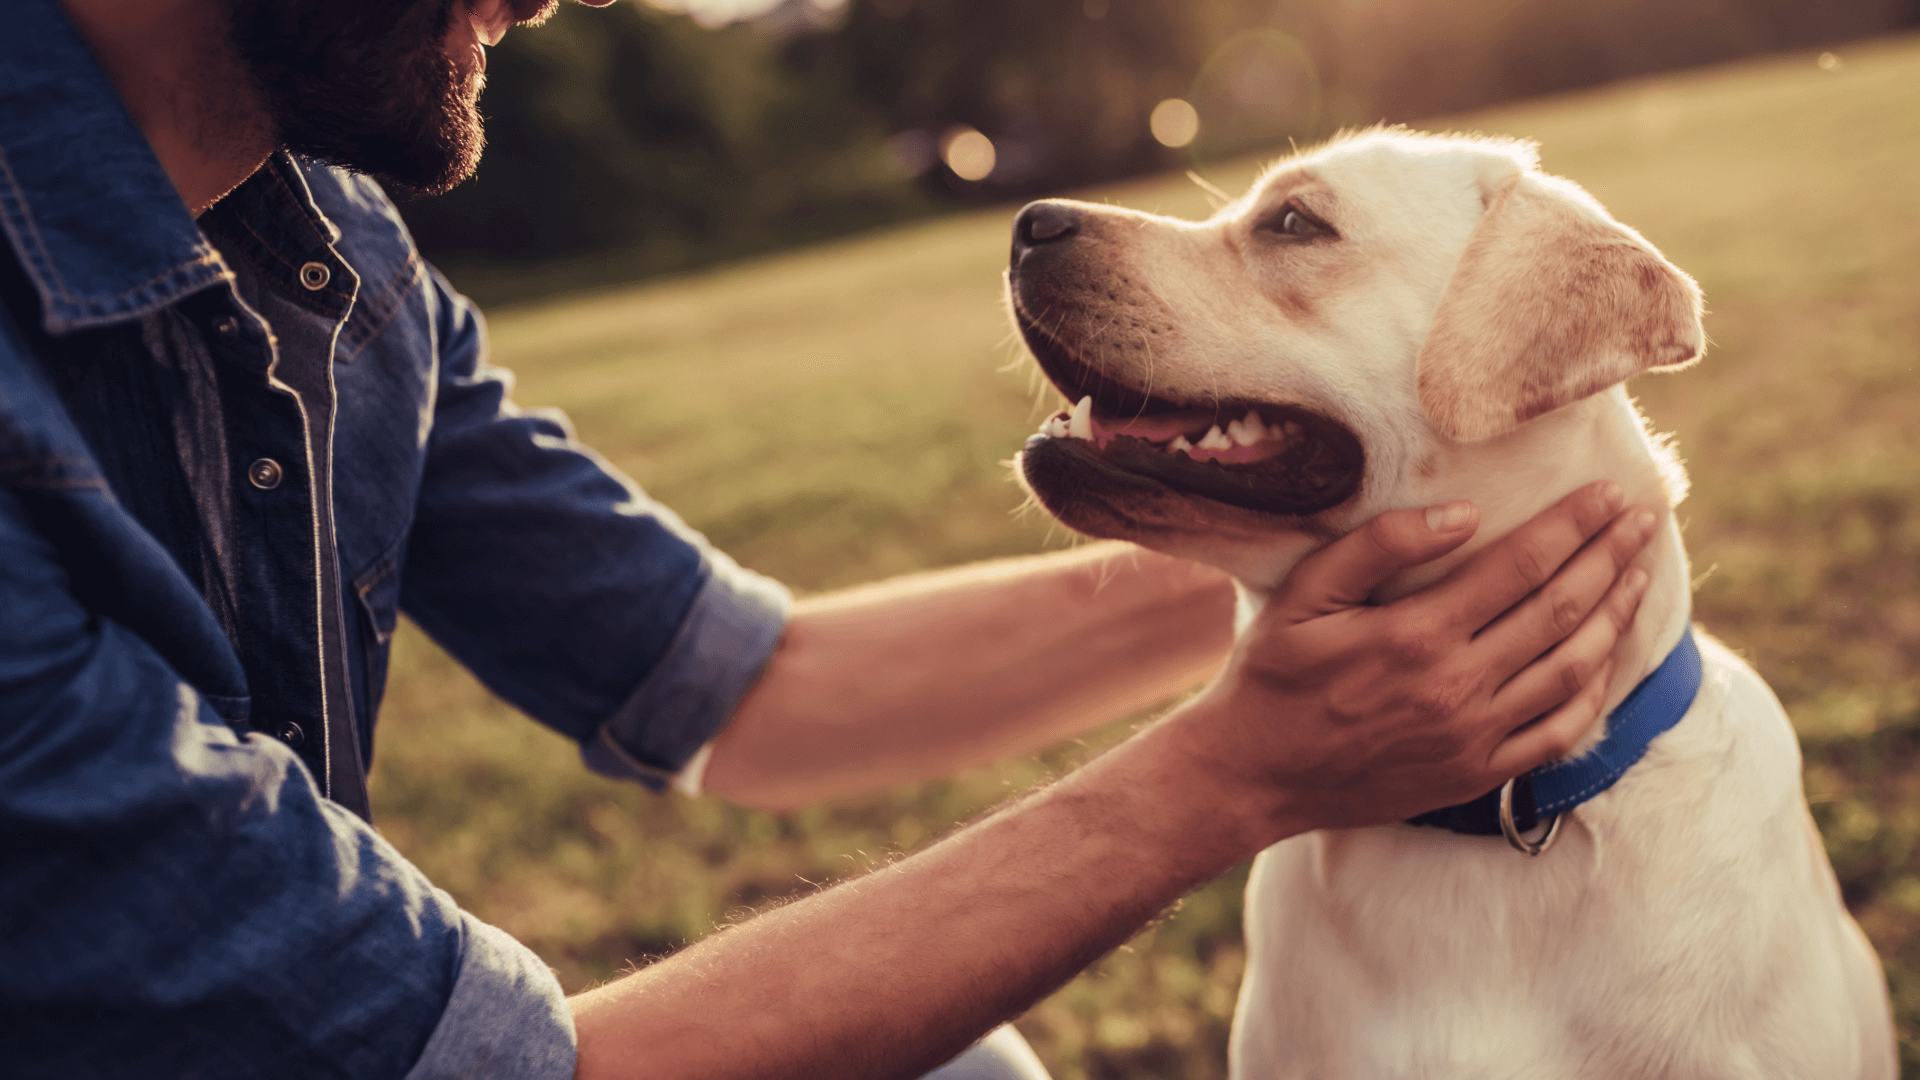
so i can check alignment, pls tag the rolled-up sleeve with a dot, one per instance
(563, 587)
(179, 900)
(506, 1016)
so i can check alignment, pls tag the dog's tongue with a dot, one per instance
(1162, 428)
(1166, 427)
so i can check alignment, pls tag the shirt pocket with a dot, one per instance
(378, 590)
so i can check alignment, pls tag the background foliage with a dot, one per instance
(841, 414)
(628, 141)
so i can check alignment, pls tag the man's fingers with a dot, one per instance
(1560, 674)
(1507, 570)
(1555, 734)
(1548, 616)
(1345, 572)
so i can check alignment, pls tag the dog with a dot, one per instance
(1398, 320)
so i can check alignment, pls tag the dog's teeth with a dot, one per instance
(1248, 430)
(1214, 439)
(1055, 427)
(1180, 443)
(1080, 424)
(1291, 427)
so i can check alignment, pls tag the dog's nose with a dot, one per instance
(1045, 222)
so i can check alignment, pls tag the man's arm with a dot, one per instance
(915, 678)
(1331, 714)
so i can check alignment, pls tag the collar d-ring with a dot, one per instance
(1512, 832)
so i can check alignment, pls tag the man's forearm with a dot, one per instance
(889, 975)
(915, 678)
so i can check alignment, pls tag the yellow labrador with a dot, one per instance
(1398, 320)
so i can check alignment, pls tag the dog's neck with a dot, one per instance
(1518, 475)
(1602, 437)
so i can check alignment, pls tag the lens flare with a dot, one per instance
(1256, 90)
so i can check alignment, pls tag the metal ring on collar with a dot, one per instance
(1512, 832)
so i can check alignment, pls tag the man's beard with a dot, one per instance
(366, 85)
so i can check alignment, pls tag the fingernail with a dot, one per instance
(1643, 520)
(1635, 579)
(1612, 496)
(1449, 517)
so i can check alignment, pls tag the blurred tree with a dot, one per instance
(632, 131)
(1064, 88)
(630, 141)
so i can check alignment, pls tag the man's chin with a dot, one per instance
(369, 87)
(431, 159)
(434, 175)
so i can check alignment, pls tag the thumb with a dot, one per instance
(1344, 573)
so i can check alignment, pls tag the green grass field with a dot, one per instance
(843, 414)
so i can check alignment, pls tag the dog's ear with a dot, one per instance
(1552, 301)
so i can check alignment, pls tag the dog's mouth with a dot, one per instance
(1265, 456)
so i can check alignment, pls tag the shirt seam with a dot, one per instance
(396, 285)
(17, 198)
(43, 268)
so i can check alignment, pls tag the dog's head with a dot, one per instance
(1352, 336)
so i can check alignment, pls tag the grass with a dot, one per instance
(841, 414)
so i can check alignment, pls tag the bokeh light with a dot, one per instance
(714, 14)
(1174, 122)
(968, 153)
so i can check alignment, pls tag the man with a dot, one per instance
(242, 426)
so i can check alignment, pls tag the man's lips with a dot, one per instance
(491, 19)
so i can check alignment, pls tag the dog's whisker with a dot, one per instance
(1146, 343)
(1216, 197)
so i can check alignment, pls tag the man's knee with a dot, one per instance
(1002, 1055)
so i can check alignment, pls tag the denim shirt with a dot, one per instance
(232, 450)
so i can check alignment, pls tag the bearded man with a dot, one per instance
(243, 426)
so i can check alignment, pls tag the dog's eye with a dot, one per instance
(1292, 221)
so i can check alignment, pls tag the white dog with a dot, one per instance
(1398, 320)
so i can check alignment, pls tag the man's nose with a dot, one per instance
(1042, 223)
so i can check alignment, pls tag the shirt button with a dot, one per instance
(314, 275)
(265, 474)
(227, 327)
(291, 734)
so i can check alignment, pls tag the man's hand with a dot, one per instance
(1383, 712)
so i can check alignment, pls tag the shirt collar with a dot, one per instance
(91, 215)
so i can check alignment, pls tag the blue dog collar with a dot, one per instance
(1653, 707)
